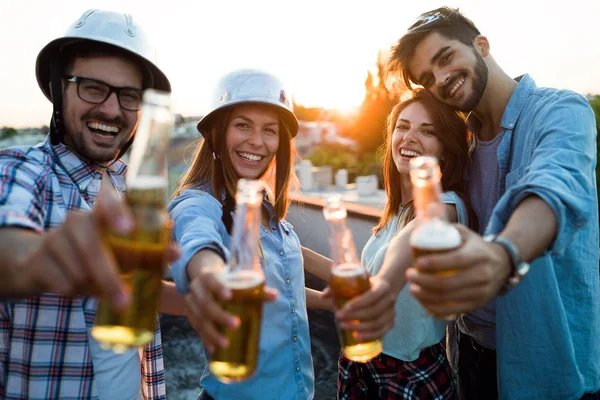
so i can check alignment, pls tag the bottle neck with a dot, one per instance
(343, 250)
(427, 201)
(245, 239)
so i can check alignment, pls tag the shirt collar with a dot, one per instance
(207, 187)
(81, 173)
(513, 109)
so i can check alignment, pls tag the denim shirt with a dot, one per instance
(548, 327)
(285, 368)
(413, 328)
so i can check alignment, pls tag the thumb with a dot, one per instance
(270, 294)
(326, 293)
(111, 211)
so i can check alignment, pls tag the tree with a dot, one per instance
(595, 103)
(7, 132)
(307, 113)
(368, 130)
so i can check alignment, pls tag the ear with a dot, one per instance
(482, 45)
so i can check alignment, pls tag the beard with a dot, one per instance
(95, 152)
(479, 84)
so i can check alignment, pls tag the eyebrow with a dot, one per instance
(250, 120)
(407, 121)
(433, 60)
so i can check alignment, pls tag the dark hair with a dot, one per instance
(451, 130)
(280, 175)
(89, 48)
(446, 21)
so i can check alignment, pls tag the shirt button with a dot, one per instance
(293, 311)
(281, 253)
(295, 338)
(297, 368)
(287, 281)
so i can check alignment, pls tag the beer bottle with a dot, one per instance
(243, 275)
(433, 233)
(348, 277)
(140, 255)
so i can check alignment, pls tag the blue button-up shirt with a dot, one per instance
(285, 369)
(548, 327)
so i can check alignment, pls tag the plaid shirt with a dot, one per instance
(44, 344)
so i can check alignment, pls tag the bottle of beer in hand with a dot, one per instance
(243, 275)
(348, 278)
(140, 255)
(433, 233)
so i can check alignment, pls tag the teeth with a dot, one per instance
(101, 127)
(409, 153)
(251, 157)
(456, 86)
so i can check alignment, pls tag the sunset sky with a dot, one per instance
(321, 48)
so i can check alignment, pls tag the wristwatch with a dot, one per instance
(518, 267)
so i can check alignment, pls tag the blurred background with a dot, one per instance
(331, 54)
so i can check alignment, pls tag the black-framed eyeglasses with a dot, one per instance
(425, 20)
(97, 92)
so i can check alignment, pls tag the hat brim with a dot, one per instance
(288, 117)
(42, 65)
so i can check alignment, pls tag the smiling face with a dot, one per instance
(252, 139)
(99, 131)
(452, 71)
(414, 136)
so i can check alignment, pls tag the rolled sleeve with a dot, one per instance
(459, 204)
(198, 226)
(23, 184)
(561, 171)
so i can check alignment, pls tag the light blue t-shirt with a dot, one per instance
(285, 368)
(117, 376)
(413, 328)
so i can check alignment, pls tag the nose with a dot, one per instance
(256, 138)
(441, 77)
(410, 135)
(111, 107)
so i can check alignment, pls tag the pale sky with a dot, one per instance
(321, 48)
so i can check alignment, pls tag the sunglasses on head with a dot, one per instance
(425, 20)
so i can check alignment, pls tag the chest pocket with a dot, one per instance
(513, 177)
(290, 239)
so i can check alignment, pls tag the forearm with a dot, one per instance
(314, 300)
(171, 302)
(16, 247)
(205, 258)
(532, 227)
(316, 264)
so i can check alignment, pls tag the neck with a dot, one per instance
(496, 96)
(405, 190)
(98, 166)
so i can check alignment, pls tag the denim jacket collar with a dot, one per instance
(513, 109)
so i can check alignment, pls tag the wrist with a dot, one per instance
(505, 267)
(394, 283)
(203, 260)
(518, 268)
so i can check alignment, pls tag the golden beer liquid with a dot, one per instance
(435, 238)
(348, 281)
(238, 361)
(420, 252)
(141, 260)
